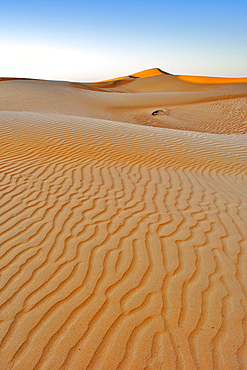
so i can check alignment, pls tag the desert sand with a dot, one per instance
(123, 237)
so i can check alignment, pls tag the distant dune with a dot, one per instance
(123, 241)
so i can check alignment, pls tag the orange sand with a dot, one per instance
(122, 234)
(212, 80)
(142, 74)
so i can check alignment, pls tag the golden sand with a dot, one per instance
(122, 234)
(213, 80)
(147, 73)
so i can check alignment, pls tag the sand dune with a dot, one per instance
(190, 106)
(122, 234)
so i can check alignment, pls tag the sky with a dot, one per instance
(78, 40)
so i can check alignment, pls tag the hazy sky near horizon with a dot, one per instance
(89, 41)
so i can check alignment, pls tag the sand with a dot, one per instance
(123, 235)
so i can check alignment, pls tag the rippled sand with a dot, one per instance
(122, 234)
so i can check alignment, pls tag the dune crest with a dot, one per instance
(146, 73)
(213, 80)
(123, 234)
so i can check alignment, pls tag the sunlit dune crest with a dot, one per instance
(123, 240)
(193, 79)
(213, 80)
(147, 73)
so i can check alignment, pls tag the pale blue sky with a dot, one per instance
(81, 41)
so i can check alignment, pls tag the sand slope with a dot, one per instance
(123, 244)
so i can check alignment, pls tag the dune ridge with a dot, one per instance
(123, 236)
(213, 80)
